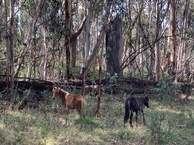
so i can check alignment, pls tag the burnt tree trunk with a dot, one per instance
(114, 47)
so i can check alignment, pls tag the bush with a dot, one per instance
(166, 91)
(161, 129)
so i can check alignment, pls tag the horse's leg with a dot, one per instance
(136, 117)
(131, 119)
(66, 115)
(143, 117)
(79, 112)
(78, 109)
(66, 111)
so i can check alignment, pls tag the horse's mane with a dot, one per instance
(137, 97)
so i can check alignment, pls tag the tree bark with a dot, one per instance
(27, 39)
(157, 49)
(87, 43)
(74, 41)
(100, 37)
(114, 48)
(68, 36)
(99, 84)
(182, 55)
(173, 40)
(10, 45)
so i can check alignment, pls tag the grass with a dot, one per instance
(167, 123)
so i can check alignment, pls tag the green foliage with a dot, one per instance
(162, 127)
(166, 91)
(113, 79)
(139, 73)
(94, 73)
(89, 123)
(126, 134)
(64, 68)
(43, 127)
(156, 128)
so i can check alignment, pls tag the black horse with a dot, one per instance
(135, 104)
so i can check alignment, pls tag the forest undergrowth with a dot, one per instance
(168, 121)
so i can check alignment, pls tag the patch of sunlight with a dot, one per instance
(50, 140)
(101, 132)
(83, 136)
(74, 116)
(161, 109)
(187, 112)
(2, 125)
(27, 114)
(154, 103)
(7, 136)
(95, 139)
(90, 138)
(10, 112)
(139, 130)
(74, 136)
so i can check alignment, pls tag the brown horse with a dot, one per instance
(70, 101)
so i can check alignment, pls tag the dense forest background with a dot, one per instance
(59, 40)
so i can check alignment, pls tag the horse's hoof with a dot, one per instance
(144, 123)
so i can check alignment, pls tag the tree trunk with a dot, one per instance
(157, 49)
(114, 47)
(10, 45)
(74, 41)
(27, 39)
(100, 37)
(99, 84)
(68, 37)
(150, 65)
(182, 59)
(99, 88)
(129, 43)
(173, 40)
(87, 43)
(87, 32)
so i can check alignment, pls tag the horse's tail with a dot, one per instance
(127, 107)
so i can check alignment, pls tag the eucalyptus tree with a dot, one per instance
(172, 43)
(9, 27)
(157, 49)
(184, 56)
(101, 34)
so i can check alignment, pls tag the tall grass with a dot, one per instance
(167, 123)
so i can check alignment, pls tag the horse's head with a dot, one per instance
(58, 92)
(55, 92)
(146, 101)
